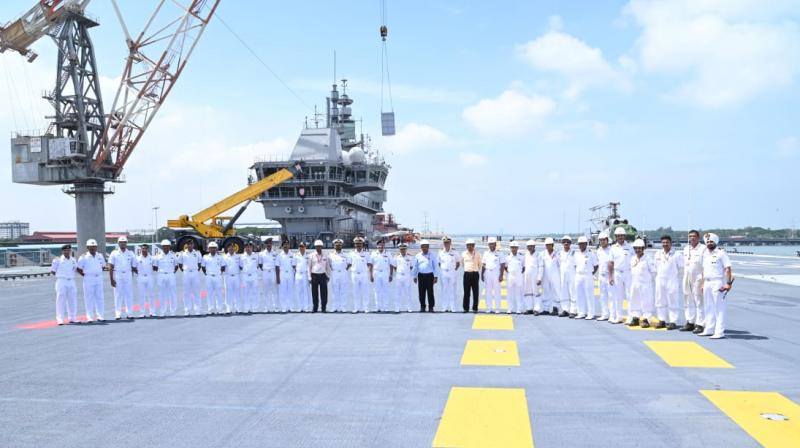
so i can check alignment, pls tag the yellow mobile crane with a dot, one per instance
(208, 225)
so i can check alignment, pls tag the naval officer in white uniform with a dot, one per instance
(145, 283)
(692, 279)
(121, 266)
(64, 268)
(90, 266)
(449, 262)
(166, 265)
(717, 281)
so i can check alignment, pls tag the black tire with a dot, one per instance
(238, 244)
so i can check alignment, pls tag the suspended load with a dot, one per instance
(387, 116)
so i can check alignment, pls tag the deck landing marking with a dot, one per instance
(503, 304)
(485, 417)
(687, 354)
(746, 409)
(488, 322)
(490, 353)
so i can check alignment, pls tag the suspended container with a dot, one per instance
(387, 123)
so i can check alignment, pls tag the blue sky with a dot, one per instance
(513, 116)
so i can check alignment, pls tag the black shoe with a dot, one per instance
(688, 327)
(531, 312)
(645, 323)
(535, 313)
(475, 311)
(554, 312)
(117, 318)
(671, 326)
(543, 313)
(572, 315)
(660, 325)
(422, 310)
(430, 310)
(634, 322)
(564, 314)
(698, 329)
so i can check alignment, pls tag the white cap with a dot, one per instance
(122, 239)
(301, 244)
(424, 243)
(470, 241)
(513, 244)
(530, 243)
(446, 239)
(712, 237)
(549, 240)
(166, 243)
(338, 241)
(403, 245)
(212, 244)
(619, 231)
(602, 235)
(358, 239)
(491, 240)
(582, 239)
(318, 243)
(566, 237)
(91, 243)
(638, 243)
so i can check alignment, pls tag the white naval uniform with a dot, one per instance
(603, 257)
(381, 270)
(339, 280)
(714, 264)
(167, 287)
(66, 291)
(215, 299)
(233, 281)
(249, 292)
(668, 278)
(448, 259)
(302, 282)
(359, 272)
(585, 263)
(93, 296)
(566, 262)
(190, 264)
(403, 288)
(145, 285)
(285, 265)
(515, 266)
(642, 301)
(534, 272)
(124, 262)
(621, 289)
(692, 277)
(269, 261)
(551, 281)
(491, 261)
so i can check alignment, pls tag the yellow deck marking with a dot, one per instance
(489, 322)
(485, 417)
(624, 304)
(490, 353)
(652, 323)
(746, 409)
(503, 292)
(503, 304)
(687, 354)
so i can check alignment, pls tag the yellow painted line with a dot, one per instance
(490, 322)
(503, 292)
(485, 417)
(490, 353)
(503, 304)
(624, 304)
(652, 323)
(687, 354)
(747, 409)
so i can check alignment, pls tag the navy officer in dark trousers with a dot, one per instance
(425, 271)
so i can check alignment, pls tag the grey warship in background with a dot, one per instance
(341, 188)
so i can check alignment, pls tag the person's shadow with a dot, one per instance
(742, 334)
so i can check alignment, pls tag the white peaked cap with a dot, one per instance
(638, 243)
(122, 239)
(566, 237)
(491, 240)
(318, 243)
(424, 243)
(91, 243)
(212, 244)
(549, 240)
(530, 243)
(513, 244)
(582, 239)
(470, 241)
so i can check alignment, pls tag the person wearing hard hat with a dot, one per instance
(603, 257)
(145, 282)
(585, 268)
(269, 259)
(360, 271)
(619, 275)
(641, 302)
(402, 265)
(233, 279)
(717, 281)
(425, 274)
(251, 263)
(471, 260)
(213, 266)
(302, 279)
(534, 272)
(551, 280)
(694, 309)
(189, 261)
(285, 277)
(90, 267)
(566, 262)
(339, 262)
(669, 266)
(449, 262)
(121, 266)
(515, 268)
(320, 276)
(493, 266)
(381, 275)
(64, 268)
(166, 265)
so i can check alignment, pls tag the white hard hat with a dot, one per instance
(424, 243)
(602, 235)
(530, 243)
(491, 240)
(318, 243)
(549, 240)
(513, 244)
(91, 243)
(566, 238)
(619, 231)
(212, 244)
(582, 239)
(166, 243)
(638, 243)
(470, 241)
(712, 237)
(122, 239)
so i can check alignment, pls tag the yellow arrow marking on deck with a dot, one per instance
(687, 354)
(760, 415)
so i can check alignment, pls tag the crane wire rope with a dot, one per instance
(386, 80)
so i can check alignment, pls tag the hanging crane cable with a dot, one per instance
(387, 116)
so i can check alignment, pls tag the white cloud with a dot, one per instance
(414, 137)
(788, 148)
(513, 113)
(472, 159)
(728, 51)
(583, 66)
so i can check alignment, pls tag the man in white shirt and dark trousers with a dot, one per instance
(320, 274)
(426, 274)
(64, 268)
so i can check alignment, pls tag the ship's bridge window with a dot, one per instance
(268, 171)
(317, 191)
(335, 173)
(332, 190)
(374, 176)
(287, 192)
(273, 193)
(317, 173)
(361, 176)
